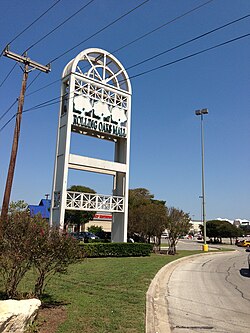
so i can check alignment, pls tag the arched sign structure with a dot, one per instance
(96, 101)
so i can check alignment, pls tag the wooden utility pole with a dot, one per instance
(27, 64)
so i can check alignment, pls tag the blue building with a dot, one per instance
(43, 208)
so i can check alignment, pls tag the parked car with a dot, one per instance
(90, 235)
(82, 235)
(105, 235)
(244, 243)
(76, 235)
(248, 258)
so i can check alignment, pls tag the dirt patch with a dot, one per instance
(49, 318)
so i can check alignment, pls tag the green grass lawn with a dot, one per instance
(106, 295)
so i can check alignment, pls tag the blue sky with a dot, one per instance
(165, 137)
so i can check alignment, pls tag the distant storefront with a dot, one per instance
(101, 220)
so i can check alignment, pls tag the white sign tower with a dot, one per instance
(96, 101)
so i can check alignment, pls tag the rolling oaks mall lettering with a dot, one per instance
(101, 126)
(99, 116)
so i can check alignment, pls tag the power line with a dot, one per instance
(2, 128)
(99, 31)
(25, 29)
(36, 77)
(9, 108)
(189, 41)
(30, 25)
(128, 44)
(17, 98)
(49, 33)
(57, 99)
(155, 68)
(189, 56)
(58, 26)
(46, 103)
(162, 26)
(166, 51)
(53, 100)
(36, 107)
(46, 86)
(6, 77)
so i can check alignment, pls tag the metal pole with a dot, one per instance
(201, 113)
(203, 182)
(10, 176)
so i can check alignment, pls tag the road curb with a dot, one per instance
(157, 320)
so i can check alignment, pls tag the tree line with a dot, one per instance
(217, 229)
(147, 218)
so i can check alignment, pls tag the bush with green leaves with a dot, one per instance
(95, 250)
(16, 250)
(95, 229)
(54, 251)
(29, 242)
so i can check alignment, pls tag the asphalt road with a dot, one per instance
(193, 244)
(210, 293)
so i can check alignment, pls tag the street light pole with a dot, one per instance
(201, 113)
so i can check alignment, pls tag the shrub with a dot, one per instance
(27, 242)
(95, 229)
(16, 248)
(115, 249)
(53, 254)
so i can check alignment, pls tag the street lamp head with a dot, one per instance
(200, 112)
(204, 111)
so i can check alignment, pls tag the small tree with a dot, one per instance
(28, 241)
(95, 229)
(16, 248)
(228, 230)
(53, 254)
(79, 217)
(218, 229)
(18, 206)
(212, 230)
(147, 216)
(178, 223)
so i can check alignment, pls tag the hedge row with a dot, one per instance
(94, 250)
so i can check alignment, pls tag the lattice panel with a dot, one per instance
(101, 94)
(94, 202)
